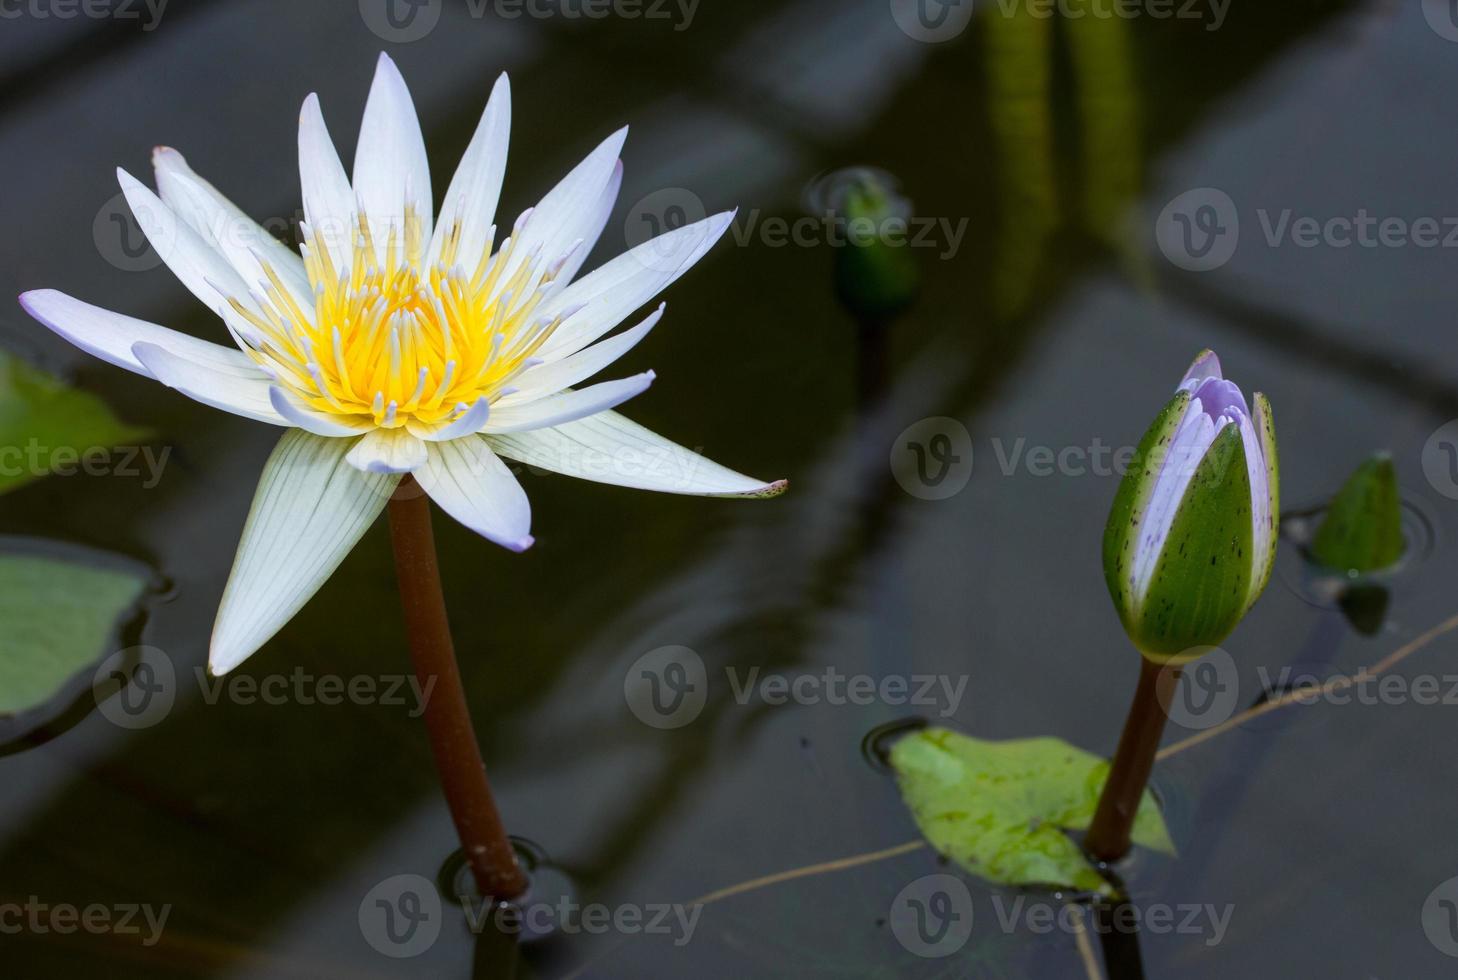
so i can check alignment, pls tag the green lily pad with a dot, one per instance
(1000, 809)
(45, 423)
(56, 618)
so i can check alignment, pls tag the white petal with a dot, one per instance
(467, 423)
(608, 448)
(328, 199)
(110, 336)
(309, 420)
(608, 294)
(310, 509)
(475, 487)
(476, 188)
(565, 407)
(390, 168)
(222, 225)
(546, 379)
(597, 221)
(200, 267)
(240, 390)
(387, 451)
(570, 210)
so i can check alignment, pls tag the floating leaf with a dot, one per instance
(1000, 809)
(56, 618)
(41, 417)
(1362, 530)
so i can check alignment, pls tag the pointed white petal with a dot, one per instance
(241, 390)
(608, 448)
(311, 421)
(565, 407)
(613, 291)
(387, 451)
(310, 509)
(328, 199)
(110, 336)
(597, 221)
(200, 267)
(467, 423)
(222, 225)
(475, 487)
(476, 188)
(553, 377)
(390, 168)
(570, 210)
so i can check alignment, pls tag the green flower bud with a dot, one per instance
(1191, 537)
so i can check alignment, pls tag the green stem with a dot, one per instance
(447, 718)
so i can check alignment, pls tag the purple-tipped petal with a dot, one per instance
(1182, 458)
(1206, 365)
(1219, 397)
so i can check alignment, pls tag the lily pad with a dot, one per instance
(1001, 809)
(45, 423)
(56, 618)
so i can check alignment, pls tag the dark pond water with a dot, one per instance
(1044, 150)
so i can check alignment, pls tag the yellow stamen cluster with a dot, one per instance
(388, 341)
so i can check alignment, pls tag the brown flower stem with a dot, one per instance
(447, 718)
(1108, 834)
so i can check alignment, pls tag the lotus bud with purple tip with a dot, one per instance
(1192, 534)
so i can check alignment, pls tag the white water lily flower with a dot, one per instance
(398, 345)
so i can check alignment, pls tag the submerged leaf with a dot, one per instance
(1000, 809)
(44, 423)
(56, 617)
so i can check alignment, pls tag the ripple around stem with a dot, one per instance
(876, 744)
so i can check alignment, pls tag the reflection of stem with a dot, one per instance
(1108, 834)
(1119, 939)
(447, 717)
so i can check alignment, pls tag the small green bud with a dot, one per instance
(1362, 529)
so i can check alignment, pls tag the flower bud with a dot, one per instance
(1362, 529)
(1192, 534)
